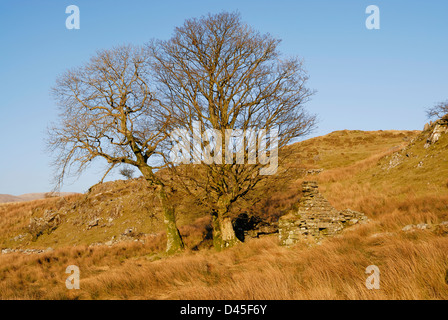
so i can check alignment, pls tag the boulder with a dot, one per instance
(440, 128)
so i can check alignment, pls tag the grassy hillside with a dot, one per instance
(388, 175)
(109, 209)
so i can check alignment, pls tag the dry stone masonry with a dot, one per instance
(314, 218)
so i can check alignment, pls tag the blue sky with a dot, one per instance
(365, 79)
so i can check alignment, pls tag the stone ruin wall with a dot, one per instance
(315, 218)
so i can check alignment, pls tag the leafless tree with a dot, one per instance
(107, 111)
(127, 173)
(437, 111)
(219, 72)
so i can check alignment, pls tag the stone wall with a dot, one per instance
(314, 218)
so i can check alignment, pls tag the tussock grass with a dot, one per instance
(411, 268)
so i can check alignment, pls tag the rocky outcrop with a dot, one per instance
(436, 129)
(437, 228)
(46, 224)
(314, 218)
(27, 251)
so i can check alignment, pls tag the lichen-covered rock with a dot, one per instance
(46, 224)
(314, 218)
(437, 228)
(439, 127)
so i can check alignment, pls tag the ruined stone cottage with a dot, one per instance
(314, 218)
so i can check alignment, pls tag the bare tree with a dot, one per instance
(218, 73)
(437, 111)
(107, 111)
(127, 173)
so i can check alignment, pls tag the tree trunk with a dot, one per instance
(174, 242)
(217, 235)
(223, 232)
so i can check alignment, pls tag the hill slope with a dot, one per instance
(112, 209)
(360, 171)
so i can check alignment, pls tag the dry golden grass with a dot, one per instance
(412, 267)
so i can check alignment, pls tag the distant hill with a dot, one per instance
(9, 198)
(29, 196)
